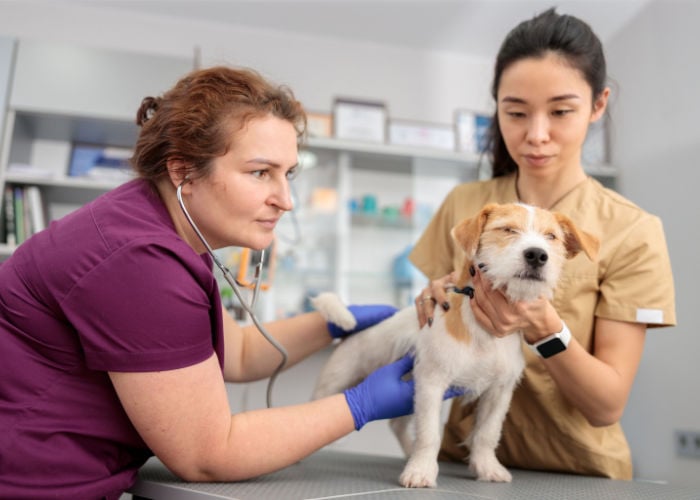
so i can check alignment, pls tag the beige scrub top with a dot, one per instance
(630, 281)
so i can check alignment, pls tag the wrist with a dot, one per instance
(354, 401)
(543, 325)
(552, 344)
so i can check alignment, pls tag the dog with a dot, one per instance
(520, 249)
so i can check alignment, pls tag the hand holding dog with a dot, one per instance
(432, 295)
(365, 316)
(536, 319)
(385, 393)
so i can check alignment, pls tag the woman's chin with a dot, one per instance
(260, 243)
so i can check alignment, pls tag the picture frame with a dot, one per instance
(422, 134)
(319, 124)
(359, 120)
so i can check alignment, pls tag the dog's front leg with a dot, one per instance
(422, 468)
(401, 427)
(490, 413)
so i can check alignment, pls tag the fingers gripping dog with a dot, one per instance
(519, 249)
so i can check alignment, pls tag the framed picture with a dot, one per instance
(425, 135)
(359, 120)
(472, 131)
(319, 124)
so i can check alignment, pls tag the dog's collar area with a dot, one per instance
(467, 290)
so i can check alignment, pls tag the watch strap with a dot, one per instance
(552, 344)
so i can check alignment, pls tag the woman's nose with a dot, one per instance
(538, 130)
(282, 196)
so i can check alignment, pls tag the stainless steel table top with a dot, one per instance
(340, 475)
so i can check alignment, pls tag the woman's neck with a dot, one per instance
(168, 193)
(546, 192)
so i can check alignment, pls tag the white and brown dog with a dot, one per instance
(521, 250)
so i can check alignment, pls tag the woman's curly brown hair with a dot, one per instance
(195, 121)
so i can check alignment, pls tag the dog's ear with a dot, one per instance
(468, 232)
(576, 239)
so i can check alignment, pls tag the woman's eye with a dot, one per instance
(516, 114)
(562, 112)
(292, 173)
(259, 173)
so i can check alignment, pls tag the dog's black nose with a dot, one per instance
(535, 257)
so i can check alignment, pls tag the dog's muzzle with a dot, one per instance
(535, 257)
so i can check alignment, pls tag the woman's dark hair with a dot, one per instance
(568, 37)
(195, 121)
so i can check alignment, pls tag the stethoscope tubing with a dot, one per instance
(236, 290)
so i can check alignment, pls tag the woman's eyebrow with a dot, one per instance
(263, 161)
(269, 163)
(564, 97)
(516, 100)
(519, 100)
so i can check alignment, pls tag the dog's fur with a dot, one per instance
(521, 250)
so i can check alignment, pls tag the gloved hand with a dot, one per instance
(383, 394)
(365, 316)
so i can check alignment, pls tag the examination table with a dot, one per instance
(342, 475)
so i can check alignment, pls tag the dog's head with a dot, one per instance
(520, 248)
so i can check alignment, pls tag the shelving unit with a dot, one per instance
(389, 173)
(92, 96)
(60, 95)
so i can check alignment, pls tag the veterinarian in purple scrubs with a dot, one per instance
(549, 85)
(113, 342)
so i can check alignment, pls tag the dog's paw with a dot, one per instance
(333, 310)
(490, 469)
(419, 474)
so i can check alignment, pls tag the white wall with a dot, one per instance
(657, 145)
(318, 69)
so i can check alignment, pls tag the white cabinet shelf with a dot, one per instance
(72, 80)
(77, 183)
(62, 95)
(380, 150)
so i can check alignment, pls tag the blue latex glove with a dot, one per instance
(365, 316)
(384, 394)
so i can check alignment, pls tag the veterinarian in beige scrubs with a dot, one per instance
(565, 414)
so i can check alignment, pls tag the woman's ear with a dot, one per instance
(600, 105)
(177, 171)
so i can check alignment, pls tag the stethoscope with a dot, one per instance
(236, 290)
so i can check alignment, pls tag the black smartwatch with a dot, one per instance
(553, 344)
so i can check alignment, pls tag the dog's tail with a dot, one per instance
(333, 310)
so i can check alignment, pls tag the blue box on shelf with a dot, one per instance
(99, 162)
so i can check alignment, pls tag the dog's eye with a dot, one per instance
(550, 236)
(509, 230)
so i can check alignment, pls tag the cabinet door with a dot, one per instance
(75, 80)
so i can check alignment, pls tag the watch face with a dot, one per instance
(552, 347)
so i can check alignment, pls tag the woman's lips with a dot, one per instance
(268, 223)
(537, 160)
